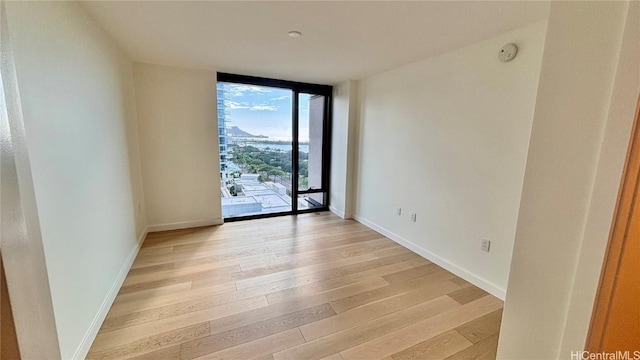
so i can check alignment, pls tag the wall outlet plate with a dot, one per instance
(486, 245)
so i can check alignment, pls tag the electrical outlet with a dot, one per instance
(413, 217)
(399, 211)
(486, 245)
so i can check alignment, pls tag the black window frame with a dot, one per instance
(297, 88)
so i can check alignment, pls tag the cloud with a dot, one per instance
(263, 107)
(234, 105)
(254, 97)
(238, 90)
(284, 97)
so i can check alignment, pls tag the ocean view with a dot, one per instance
(284, 147)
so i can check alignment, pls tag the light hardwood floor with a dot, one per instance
(307, 287)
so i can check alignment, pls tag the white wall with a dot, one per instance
(339, 143)
(77, 97)
(577, 150)
(178, 133)
(20, 237)
(343, 135)
(603, 198)
(447, 138)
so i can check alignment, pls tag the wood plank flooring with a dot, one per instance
(304, 288)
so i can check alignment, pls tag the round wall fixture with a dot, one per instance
(295, 34)
(508, 52)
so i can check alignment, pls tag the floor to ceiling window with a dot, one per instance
(274, 144)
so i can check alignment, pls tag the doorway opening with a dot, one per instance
(274, 138)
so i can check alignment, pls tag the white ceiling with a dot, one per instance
(341, 40)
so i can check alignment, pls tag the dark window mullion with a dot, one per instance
(311, 191)
(326, 148)
(295, 156)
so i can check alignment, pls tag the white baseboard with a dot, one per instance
(482, 283)
(142, 236)
(185, 225)
(336, 211)
(90, 335)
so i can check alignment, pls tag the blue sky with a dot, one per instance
(262, 110)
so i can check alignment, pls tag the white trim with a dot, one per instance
(336, 211)
(90, 335)
(185, 225)
(480, 282)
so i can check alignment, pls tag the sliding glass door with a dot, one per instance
(273, 146)
(312, 192)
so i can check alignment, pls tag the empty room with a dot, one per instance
(314, 180)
